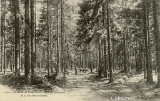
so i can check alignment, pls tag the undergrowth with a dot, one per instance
(20, 82)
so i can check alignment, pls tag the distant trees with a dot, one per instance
(94, 26)
(129, 35)
(52, 33)
(25, 34)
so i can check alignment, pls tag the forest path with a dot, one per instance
(85, 86)
(80, 85)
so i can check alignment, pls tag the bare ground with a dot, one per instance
(84, 87)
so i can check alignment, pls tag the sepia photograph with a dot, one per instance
(80, 50)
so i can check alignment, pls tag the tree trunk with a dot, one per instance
(105, 56)
(35, 37)
(32, 39)
(19, 37)
(97, 60)
(48, 60)
(145, 69)
(85, 56)
(16, 13)
(99, 65)
(149, 45)
(105, 59)
(58, 68)
(109, 45)
(50, 38)
(124, 42)
(26, 51)
(156, 14)
(113, 53)
(149, 70)
(4, 32)
(2, 24)
(61, 38)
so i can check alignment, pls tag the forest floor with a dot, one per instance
(86, 87)
(125, 87)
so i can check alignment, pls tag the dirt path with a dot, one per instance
(79, 85)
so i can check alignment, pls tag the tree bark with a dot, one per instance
(113, 53)
(2, 24)
(48, 60)
(109, 45)
(124, 42)
(149, 45)
(35, 42)
(26, 51)
(4, 32)
(105, 56)
(156, 14)
(149, 70)
(32, 39)
(99, 63)
(57, 69)
(16, 13)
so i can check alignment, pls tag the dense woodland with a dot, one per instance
(102, 36)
